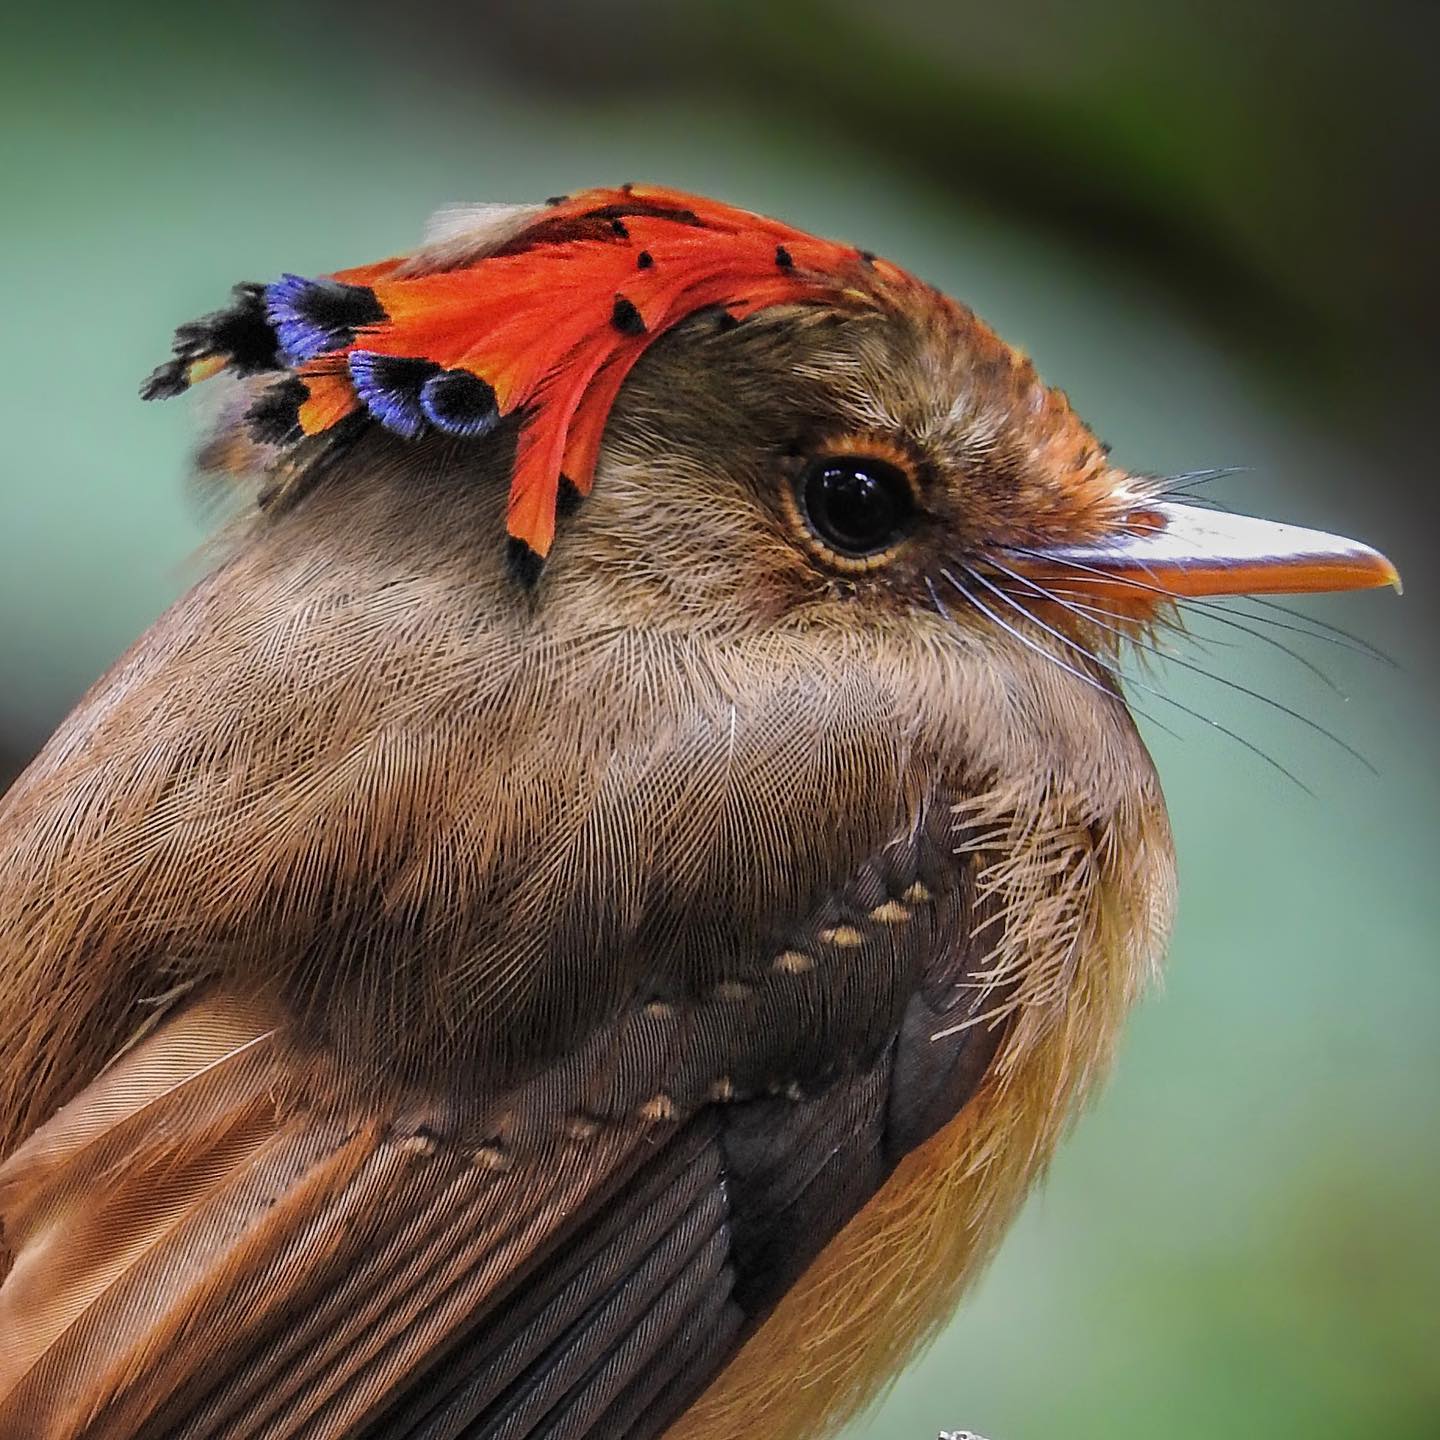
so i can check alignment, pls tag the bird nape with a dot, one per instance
(589, 919)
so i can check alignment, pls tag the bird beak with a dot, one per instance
(1187, 551)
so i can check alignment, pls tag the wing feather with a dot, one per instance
(226, 1250)
(222, 1239)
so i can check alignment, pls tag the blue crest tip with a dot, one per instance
(461, 403)
(312, 317)
(389, 387)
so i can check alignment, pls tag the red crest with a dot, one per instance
(539, 315)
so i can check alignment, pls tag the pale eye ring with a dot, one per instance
(856, 505)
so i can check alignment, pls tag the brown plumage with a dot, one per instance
(437, 1006)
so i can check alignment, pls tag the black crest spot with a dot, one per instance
(241, 332)
(627, 187)
(783, 258)
(647, 209)
(274, 416)
(618, 226)
(523, 563)
(567, 497)
(867, 257)
(459, 402)
(556, 199)
(391, 386)
(644, 260)
(626, 318)
(343, 307)
(166, 381)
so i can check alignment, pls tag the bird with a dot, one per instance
(591, 915)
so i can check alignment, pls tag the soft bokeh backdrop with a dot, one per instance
(1215, 227)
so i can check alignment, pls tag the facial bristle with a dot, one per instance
(311, 317)
(458, 402)
(389, 387)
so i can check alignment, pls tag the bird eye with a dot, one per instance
(856, 505)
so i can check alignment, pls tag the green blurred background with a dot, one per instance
(1215, 225)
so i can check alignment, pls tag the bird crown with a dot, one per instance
(534, 311)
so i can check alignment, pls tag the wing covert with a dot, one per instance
(219, 1239)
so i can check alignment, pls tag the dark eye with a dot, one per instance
(855, 504)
